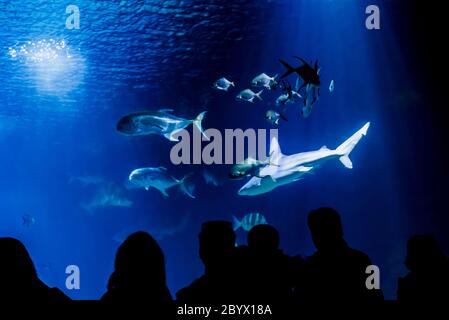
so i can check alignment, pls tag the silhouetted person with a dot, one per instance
(139, 275)
(273, 272)
(217, 252)
(18, 278)
(428, 279)
(335, 272)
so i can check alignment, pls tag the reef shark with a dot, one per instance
(285, 169)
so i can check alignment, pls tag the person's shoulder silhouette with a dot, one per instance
(335, 272)
(217, 252)
(139, 274)
(19, 281)
(428, 279)
(273, 272)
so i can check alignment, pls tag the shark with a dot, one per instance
(285, 169)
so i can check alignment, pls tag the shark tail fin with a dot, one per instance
(258, 94)
(289, 68)
(235, 223)
(186, 185)
(198, 123)
(346, 147)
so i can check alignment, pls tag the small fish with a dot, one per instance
(248, 221)
(209, 178)
(332, 86)
(161, 122)
(311, 97)
(248, 95)
(88, 180)
(286, 98)
(28, 220)
(273, 117)
(249, 167)
(289, 95)
(265, 81)
(107, 196)
(223, 84)
(159, 233)
(159, 179)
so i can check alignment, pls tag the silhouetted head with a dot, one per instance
(139, 263)
(423, 253)
(263, 237)
(16, 267)
(325, 227)
(217, 242)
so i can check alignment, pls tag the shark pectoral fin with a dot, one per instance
(164, 192)
(346, 161)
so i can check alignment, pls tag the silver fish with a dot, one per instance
(265, 81)
(248, 221)
(332, 86)
(161, 122)
(273, 117)
(223, 84)
(248, 95)
(249, 167)
(286, 98)
(159, 179)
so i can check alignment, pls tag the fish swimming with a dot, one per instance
(289, 96)
(265, 81)
(331, 86)
(248, 95)
(309, 101)
(248, 221)
(209, 178)
(292, 168)
(248, 167)
(223, 84)
(161, 122)
(286, 98)
(28, 220)
(305, 71)
(88, 180)
(273, 117)
(159, 233)
(107, 196)
(159, 179)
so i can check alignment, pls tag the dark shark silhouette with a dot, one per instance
(305, 71)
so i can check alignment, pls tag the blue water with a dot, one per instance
(58, 118)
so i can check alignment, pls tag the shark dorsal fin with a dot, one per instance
(275, 151)
(324, 148)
